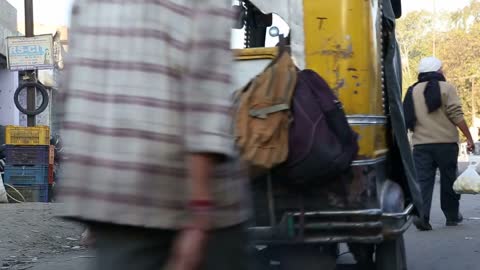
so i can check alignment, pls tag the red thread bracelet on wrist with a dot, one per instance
(200, 209)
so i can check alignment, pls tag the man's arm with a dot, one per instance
(207, 97)
(456, 115)
(207, 121)
(464, 129)
(200, 168)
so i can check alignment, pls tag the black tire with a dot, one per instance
(293, 257)
(391, 255)
(363, 254)
(43, 92)
(309, 257)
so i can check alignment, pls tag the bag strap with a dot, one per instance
(264, 112)
(282, 48)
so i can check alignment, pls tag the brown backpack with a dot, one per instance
(263, 114)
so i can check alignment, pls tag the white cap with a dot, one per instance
(429, 64)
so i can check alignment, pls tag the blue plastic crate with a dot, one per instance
(27, 155)
(26, 175)
(31, 193)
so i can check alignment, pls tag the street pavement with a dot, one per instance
(447, 248)
(74, 261)
(444, 248)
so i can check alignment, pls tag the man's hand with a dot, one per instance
(188, 250)
(190, 245)
(464, 128)
(470, 146)
(88, 238)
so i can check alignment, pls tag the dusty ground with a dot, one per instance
(447, 248)
(32, 238)
(30, 233)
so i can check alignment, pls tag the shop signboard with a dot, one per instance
(30, 53)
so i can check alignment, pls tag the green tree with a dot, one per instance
(460, 52)
(456, 36)
(414, 33)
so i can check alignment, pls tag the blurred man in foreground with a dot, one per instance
(146, 119)
(433, 112)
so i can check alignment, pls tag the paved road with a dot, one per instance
(74, 261)
(447, 248)
(444, 248)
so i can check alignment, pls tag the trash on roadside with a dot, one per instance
(469, 181)
(468, 238)
(3, 192)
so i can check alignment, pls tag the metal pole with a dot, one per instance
(31, 93)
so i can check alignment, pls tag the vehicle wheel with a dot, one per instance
(363, 254)
(390, 255)
(308, 258)
(293, 257)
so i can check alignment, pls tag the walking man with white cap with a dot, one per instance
(433, 112)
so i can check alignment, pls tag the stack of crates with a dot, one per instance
(28, 162)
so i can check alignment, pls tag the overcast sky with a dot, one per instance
(57, 12)
(441, 5)
(52, 12)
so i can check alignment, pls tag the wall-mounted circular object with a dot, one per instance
(43, 91)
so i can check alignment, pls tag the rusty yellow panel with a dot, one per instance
(342, 44)
(373, 141)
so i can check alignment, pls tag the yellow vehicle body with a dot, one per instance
(369, 209)
(347, 54)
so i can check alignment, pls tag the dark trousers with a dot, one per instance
(129, 248)
(428, 158)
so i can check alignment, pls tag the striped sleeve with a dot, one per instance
(209, 80)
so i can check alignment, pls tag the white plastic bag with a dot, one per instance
(469, 181)
(3, 192)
